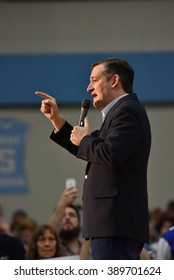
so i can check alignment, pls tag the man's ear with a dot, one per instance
(115, 80)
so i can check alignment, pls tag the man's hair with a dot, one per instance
(120, 67)
(76, 209)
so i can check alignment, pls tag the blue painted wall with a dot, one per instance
(66, 76)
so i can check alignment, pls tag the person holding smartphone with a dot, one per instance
(66, 219)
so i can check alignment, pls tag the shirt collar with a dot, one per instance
(110, 105)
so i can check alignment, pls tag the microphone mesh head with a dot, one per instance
(85, 103)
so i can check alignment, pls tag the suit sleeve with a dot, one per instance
(62, 138)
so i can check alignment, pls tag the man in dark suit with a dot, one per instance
(115, 202)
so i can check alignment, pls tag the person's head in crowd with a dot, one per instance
(70, 223)
(155, 215)
(164, 224)
(4, 227)
(25, 230)
(170, 209)
(17, 217)
(154, 218)
(44, 244)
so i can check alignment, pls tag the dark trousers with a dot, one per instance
(115, 248)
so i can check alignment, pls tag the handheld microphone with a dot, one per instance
(84, 110)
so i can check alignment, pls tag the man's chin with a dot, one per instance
(69, 233)
(68, 227)
(97, 104)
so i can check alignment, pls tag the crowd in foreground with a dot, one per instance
(60, 237)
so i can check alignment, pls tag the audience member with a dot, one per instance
(11, 247)
(17, 218)
(44, 244)
(4, 227)
(170, 209)
(165, 246)
(67, 197)
(25, 230)
(70, 231)
(163, 226)
(66, 221)
(154, 218)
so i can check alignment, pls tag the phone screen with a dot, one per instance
(70, 183)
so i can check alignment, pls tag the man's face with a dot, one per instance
(100, 87)
(70, 219)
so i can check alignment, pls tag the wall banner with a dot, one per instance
(13, 178)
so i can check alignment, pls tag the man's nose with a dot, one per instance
(67, 217)
(89, 88)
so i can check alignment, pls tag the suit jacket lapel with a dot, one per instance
(132, 96)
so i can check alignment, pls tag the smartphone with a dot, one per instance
(70, 183)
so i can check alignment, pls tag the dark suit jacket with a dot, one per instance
(11, 248)
(115, 201)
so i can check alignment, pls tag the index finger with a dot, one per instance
(44, 95)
